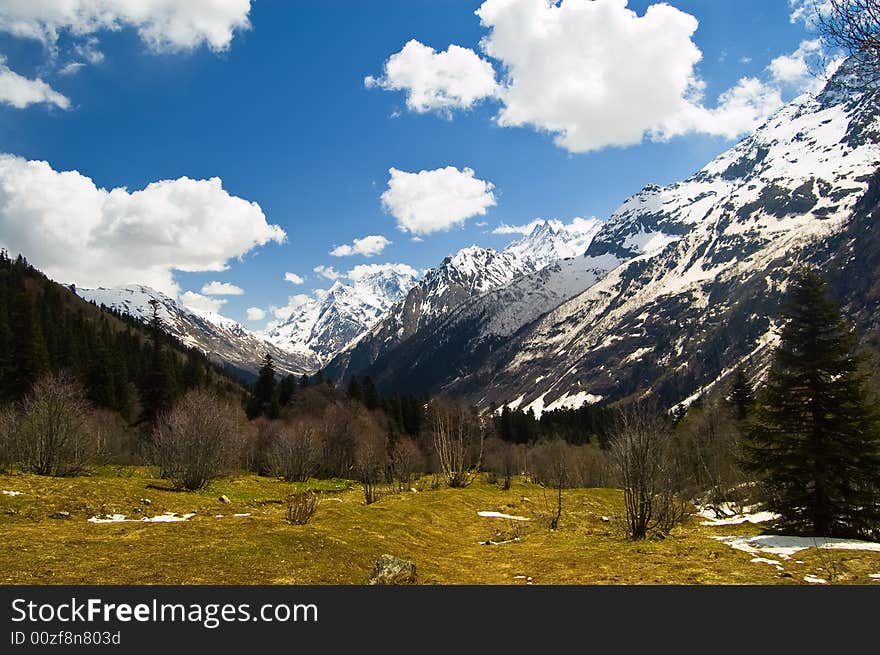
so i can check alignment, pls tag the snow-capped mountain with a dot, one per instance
(470, 273)
(221, 338)
(681, 284)
(319, 328)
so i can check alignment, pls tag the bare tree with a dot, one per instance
(649, 473)
(371, 457)
(54, 435)
(407, 462)
(853, 26)
(458, 441)
(199, 439)
(295, 452)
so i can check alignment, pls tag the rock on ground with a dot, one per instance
(390, 570)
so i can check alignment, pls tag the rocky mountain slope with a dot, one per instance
(319, 328)
(222, 339)
(680, 285)
(470, 273)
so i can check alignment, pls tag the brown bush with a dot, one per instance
(295, 452)
(407, 462)
(8, 436)
(199, 439)
(301, 507)
(54, 435)
(458, 441)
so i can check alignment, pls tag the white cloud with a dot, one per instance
(594, 74)
(88, 50)
(222, 289)
(740, 110)
(77, 232)
(255, 314)
(71, 67)
(799, 69)
(328, 272)
(201, 303)
(164, 25)
(437, 81)
(369, 246)
(293, 278)
(577, 224)
(20, 92)
(437, 200)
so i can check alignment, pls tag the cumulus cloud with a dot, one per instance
(164, 26)
(591, 73)
(437, 200)
(222, 289)
(255, 314)
(201, 303)
(78, 232)
(577, 224)
(806, 69)
(369, 246)
(19, 91)
(328, 272)
(293, 278)
(456, 78)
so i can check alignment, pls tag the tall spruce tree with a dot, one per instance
(264, 399)
(742, 396)
(814, 438)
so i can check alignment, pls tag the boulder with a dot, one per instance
(59, 515)
(390, 570)
(224, 500)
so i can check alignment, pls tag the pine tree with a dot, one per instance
(371, 397)
(158, 391)
(815, 437)
(264, 399)
(742, 396)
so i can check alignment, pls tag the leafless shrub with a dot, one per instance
(458, 441)
(295, 451)
(407, 462)
(371, 457)
(301, 507)
(8, 435)
(709, 447)
(199, 439)
(651, 477)
(500, 462)
(54, 434)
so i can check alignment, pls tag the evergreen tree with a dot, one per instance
(264, 399)
(286, 390)
(815, 437)
(158, 392)
(371, 397)
(355, 391)
(742, 396)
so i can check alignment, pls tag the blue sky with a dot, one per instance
(279, 111)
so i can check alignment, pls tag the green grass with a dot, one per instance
(438, 530)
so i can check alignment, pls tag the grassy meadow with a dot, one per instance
(439, 530)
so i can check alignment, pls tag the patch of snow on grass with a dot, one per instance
(812, 579)
(499, 515)
(12, 493)
(168, 517)
(785, 546)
